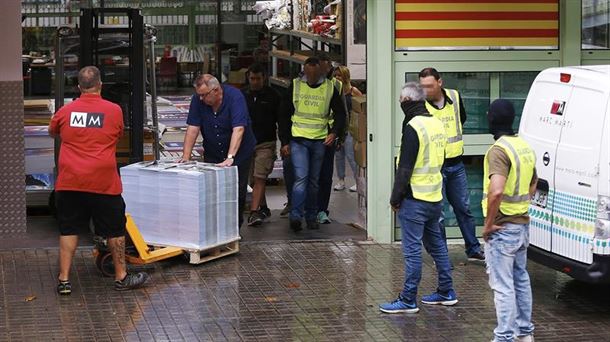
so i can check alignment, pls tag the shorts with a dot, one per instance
(263, 160)
(75, 209)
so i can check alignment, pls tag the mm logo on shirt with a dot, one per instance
(80, 119)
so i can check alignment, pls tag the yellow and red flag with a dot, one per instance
(473, 24)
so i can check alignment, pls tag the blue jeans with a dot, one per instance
(288, 171)
(506, 259)
(419, 222)
(307, 156)
(326, 178)
(346, 152)
(455, 189)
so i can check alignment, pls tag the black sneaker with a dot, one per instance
(64, 287)
(286, 210)
(480, 256)
(313, 225)
(295, 225)
(265, 212)
(255, 219)
(131, 281)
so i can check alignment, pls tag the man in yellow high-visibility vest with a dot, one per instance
(417, 197)
(447, 106)
(509, 182)
(326, 173)
(304, 132)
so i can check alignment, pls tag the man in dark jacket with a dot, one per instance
(263, 105)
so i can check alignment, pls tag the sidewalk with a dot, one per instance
(300, 291)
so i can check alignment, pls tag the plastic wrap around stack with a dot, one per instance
(191, 205)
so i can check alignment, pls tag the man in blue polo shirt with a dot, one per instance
(220, 113)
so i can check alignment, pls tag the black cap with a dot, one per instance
(501, 114)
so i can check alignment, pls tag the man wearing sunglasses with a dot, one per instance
(220, 113)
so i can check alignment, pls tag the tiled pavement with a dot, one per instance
(281, 291)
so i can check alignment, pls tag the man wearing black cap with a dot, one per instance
(509, 182)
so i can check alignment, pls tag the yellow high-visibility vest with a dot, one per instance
(515, 198)
(426, 180)
(450, 117)
(311, 109)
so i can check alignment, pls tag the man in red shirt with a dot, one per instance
(88, 185)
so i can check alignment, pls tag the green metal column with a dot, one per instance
(570, 12)
(380, 97)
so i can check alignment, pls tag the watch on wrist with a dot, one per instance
(230, 156)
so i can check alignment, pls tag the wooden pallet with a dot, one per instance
(209, 254)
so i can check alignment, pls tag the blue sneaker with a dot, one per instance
(399, 306)
(323, 218)
(438, 299)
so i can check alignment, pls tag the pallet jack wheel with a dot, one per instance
(104, 263)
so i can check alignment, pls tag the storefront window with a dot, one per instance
(596, 24)
(478, 89)
(515, 86)
(474, 88)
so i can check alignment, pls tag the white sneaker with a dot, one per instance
(250, 189)
(340, 186)
(353, 188)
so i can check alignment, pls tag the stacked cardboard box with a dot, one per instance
(358, 130)
(189, 205)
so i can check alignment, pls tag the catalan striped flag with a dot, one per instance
(469, 24)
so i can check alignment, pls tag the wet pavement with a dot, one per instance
(278, 291)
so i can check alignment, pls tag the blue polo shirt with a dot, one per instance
(216, 128)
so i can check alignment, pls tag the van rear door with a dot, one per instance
(577, 167)
(547, 95)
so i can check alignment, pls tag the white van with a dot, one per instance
(566, 120)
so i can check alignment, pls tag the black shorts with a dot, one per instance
(75, 209)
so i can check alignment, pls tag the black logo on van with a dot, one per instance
(546, 158)
(83, 120)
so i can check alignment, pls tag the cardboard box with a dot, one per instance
(123, 146)
(359, 104)
(362, 205)
(357, 126)
(362, 133)
(352, 127)
(360, 153)
(361, 181)
(237, 77)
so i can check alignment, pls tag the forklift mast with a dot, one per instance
(123, 84)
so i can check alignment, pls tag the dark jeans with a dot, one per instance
(288, 170)
(326, 178)
(455, 188)
(419, 222)
(243, 173)
(307, 156)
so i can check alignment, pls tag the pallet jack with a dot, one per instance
(137, 251)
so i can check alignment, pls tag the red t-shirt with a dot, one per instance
(90, 128)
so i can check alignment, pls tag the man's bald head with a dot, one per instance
(89, 79)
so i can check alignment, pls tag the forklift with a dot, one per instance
(119, 53)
